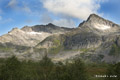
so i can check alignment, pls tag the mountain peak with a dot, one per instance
(50, 24)
(14, 29)
(98, 23)
(94, 17)
(27, 29)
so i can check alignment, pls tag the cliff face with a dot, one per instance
(95, 39)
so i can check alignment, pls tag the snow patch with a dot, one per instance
(34, 33)
(101, 26)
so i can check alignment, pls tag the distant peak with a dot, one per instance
(14, 29)
(25, 26)
(50, 24)
(26, 29)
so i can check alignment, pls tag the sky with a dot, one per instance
(64, 13)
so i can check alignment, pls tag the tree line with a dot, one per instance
(45, 69)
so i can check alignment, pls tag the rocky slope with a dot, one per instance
(31, 36)
(95, 39)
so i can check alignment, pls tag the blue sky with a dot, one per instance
(68, 13)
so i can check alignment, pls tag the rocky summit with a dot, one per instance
(94, 40)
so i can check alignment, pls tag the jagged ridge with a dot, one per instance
(94, 38)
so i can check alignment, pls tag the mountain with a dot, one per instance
(97, 38)
(49, 28)
(94, 40)
(92, 33)
(31, 36)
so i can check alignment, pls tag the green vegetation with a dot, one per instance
(101, 56)
(57, 46)
(115, 50)
(84, 50)
(39, 49)
(96, 69)
(55, 50)
(12, 69)
(56, 42)
(5, 49)
(113, 72)
(10, 47)
(45, 69)
(21, 49)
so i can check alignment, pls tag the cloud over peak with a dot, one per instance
(80, 9)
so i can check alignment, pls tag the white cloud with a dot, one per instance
(12, 3)
(26, 9)
(80, 9)
(6, 21)
(45, 18)
(28, 21)
(64, 23)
